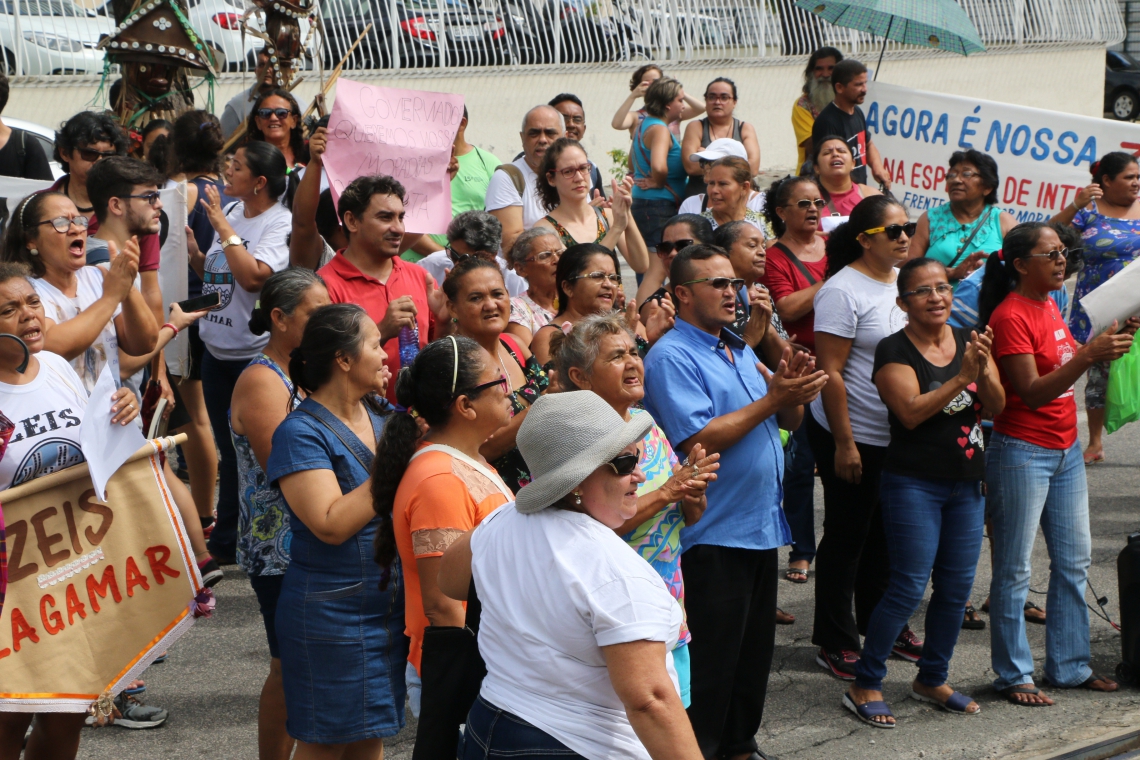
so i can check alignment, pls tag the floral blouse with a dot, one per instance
(511, 466)
(1109, 245)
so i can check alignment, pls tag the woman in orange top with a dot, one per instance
(430, 488)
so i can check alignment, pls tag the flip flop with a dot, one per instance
(956, 703)
(868, 710)
(971, 621)
(1035, 620)
(1095, 460)
(796, 575)
(1010, 693)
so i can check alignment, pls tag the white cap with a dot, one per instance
(722, 147)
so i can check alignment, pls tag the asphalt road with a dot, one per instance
(212, 680)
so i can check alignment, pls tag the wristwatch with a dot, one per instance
(231, 240)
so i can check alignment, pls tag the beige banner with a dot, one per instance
(96, 590)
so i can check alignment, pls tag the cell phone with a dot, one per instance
(207, 301)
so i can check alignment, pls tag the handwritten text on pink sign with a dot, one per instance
(405, 134)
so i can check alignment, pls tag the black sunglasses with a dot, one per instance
(457, 257)
(624, 464)
(151, 197)
(87, 154)
(665, 248)
(894, 231)
(280, 113)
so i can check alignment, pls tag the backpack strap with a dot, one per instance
(797, 263)
(704, 202)
(516, 175)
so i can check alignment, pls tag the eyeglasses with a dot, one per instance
(1062, 253)
(718, 96)
(624, 464)
(63, 223)
(151, 197)
(598, 277)
(894, 231)
(502, 382)
(964, 175)
(805, 203)
(570, 172)
(664, 248)
(579, 120)
(87, 154)
(457, 257)
(942, 289)
(280, 113)
(719, 283)
(543, 257)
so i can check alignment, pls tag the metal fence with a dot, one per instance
(40, 37)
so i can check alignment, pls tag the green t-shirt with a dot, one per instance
(469, 188)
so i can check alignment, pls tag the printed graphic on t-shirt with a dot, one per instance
(1065, 354)
(958, 403)
(50, 454)
(858, 145)
(218, 276)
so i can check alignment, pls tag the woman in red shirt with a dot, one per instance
(1034, 472)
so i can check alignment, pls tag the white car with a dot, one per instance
(218, 23)
(41, 37)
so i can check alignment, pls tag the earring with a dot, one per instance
(33, 251)
(577, 499)
(455, 320)
(255, 191)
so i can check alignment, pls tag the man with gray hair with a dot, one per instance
(472, 233)
(512, 195)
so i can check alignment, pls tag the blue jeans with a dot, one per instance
(492, 732)
(799, 496)
(219, 376)
(1027, 485)
(933, 528)
(650, 217)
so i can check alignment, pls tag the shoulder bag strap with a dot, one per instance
(704, 202)
(737, 130)
(512, 345)
(482, 470)
(827, 197)
(981, 223)
(351, 442)
(706, 133)
(516, 175)
(797, 263)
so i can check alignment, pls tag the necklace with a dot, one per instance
(499, 356)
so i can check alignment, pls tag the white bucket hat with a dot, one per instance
(722, 147)
(564, 438)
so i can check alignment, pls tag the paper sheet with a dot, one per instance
(105, 445)
(1115, 299)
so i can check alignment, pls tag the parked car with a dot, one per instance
(50, 37)
(462, 35)
(585, 35)
(1122, 86)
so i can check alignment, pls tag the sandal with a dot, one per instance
(956, 703)
(1088, 684)
(971, 621)
(1010, 693)
(869, 710)
(784, 618)
(796, 575)
(1030, 607)
(1094, 459)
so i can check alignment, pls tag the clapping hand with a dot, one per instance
(795, 381)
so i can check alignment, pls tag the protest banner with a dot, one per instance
(96, 589)
(1043, 157)
(173, 267)
(406, 134)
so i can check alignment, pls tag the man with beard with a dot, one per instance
(370, 272)
(817, 94)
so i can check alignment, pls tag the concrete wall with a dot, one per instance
(1062, 80)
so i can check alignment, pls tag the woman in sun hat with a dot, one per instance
(576, 629)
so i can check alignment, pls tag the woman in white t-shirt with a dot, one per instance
(252, 243)
(92, 311)
(848, 430)
(46, 401)
(577, 631)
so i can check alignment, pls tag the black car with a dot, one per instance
(462, 35)
(1122, 86)
(585, 36)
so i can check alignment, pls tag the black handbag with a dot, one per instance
(451, 671)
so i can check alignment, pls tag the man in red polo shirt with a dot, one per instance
(370, 272)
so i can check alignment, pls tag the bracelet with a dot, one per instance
(172, 327)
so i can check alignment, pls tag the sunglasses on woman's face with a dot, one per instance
(624, 464)
(664, 248)
(803, 204)
(598, 277)
(894, 231)
(280, 113)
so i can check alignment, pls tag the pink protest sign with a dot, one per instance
(406, 134)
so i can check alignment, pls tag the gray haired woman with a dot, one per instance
(472, 233)
(262, 398)
(577, 631)
(600, 355)
(535, 256)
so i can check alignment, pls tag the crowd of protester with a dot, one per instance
(472, 474)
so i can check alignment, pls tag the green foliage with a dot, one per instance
(621, 163)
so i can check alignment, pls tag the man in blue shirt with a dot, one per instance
(705, 385)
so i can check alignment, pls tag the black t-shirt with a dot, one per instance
(852, 127)
(32, 164)
(949, 444)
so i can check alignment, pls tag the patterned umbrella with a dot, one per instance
(941, 24)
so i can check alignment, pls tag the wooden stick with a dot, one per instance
(240, 131)
(336, 73)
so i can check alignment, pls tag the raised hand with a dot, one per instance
(1109, 345)
(318, 144)
(660, 316)
(1087, 195)
(793, 383)
(120, 275)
